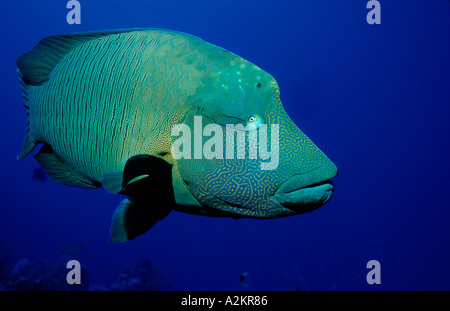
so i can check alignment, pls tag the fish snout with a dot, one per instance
(305, 192)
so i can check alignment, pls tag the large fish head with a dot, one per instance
(281, 172)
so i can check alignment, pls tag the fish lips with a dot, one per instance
(305, 199)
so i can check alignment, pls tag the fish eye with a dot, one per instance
(254, 121)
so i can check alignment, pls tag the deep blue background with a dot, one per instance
(374, 98)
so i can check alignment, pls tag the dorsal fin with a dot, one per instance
(37, 64)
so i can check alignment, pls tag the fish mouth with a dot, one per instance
(305, 199)
(305, 192)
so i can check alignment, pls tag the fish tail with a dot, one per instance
(29, 142)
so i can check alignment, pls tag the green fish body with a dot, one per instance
(104, 106)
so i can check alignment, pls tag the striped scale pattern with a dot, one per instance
(117, 96)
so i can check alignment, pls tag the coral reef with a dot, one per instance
(145, 276)
(46, 275)
(40, 275)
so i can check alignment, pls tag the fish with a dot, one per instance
(244, 280)
(104, 107)
(243, 276)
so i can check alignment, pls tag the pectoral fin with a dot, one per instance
(140, 173)
(148, 182)
(134, 217)
(112, 181)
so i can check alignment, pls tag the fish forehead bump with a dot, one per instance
(235, 86)
(238, 73)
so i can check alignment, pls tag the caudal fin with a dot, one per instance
(29, 142)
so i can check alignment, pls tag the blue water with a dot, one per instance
(374, 98)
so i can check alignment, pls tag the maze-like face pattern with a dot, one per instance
(236, 91)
